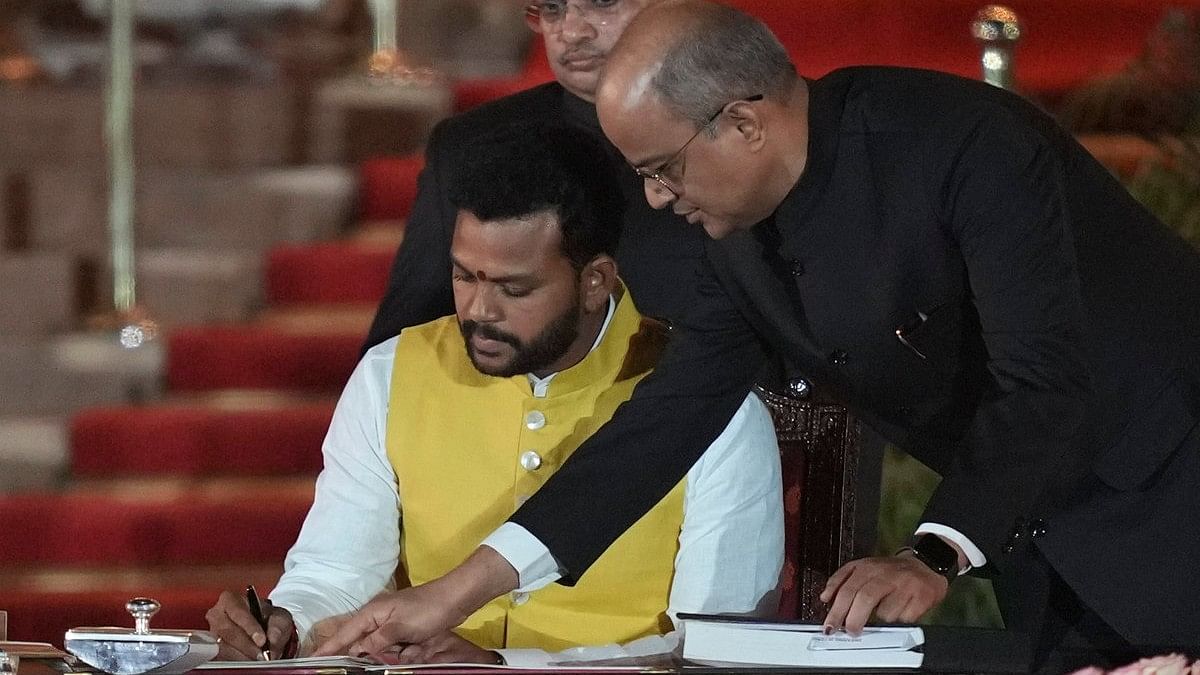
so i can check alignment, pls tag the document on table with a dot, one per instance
(720, 640)
(349, 664)
(313, 662)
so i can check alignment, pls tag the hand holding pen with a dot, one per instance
(256, 611)
(249, 629)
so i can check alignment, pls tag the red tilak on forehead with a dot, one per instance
(481, 275)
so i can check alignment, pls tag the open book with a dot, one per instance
(723, 640)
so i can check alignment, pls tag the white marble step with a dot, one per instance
(187, 286)
(249, 210)
(215, 126)
(178, 286)
(59, 375)
(33, 452)
(37, 293)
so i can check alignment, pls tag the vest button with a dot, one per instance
(535, 420)
(531, 461)
(519, 599)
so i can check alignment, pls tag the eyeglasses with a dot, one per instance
(548, 15)
(658, 174)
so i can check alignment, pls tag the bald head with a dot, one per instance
(694, 57)
(703, 101)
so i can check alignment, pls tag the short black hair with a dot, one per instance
(520, 169)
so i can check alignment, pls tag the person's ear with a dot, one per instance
(748, 119)
(598, 280)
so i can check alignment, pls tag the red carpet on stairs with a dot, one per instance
(1064, 43)
(388, 187)
(198, 440)
(188, 526)
(209, 358)
(471, 93)
(41, 615)
(328, 273)
(37, 616)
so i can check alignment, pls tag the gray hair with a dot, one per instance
(727, 56)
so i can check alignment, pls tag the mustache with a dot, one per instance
(472, 328)
(579, 54)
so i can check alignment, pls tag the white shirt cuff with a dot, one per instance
(536, 567)
(974, 555)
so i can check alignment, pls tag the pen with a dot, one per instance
(256, 611)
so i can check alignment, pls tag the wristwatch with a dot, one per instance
(937, 555)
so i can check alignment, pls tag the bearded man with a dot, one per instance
(444, 431)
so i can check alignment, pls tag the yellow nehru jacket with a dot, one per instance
(468, 449)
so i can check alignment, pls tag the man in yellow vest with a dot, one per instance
(443, 431)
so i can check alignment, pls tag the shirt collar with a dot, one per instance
(540, 385)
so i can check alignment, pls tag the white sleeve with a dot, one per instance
(349, 546)
(730, 546)
(974, 556)
(535, 565)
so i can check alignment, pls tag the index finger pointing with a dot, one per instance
(378, 641)
(347, 634)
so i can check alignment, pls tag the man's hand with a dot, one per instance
(899, 588)
(241, 638)
(447, 648)
(415, 615)
(404, 617)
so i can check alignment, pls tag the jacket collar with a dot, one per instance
(825, 104)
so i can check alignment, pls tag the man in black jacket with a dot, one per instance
(655, 246)
(961, 272)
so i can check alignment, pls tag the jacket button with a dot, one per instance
(1037, 529)
(839, 358)
(535, 420)
(1016, 535)
(797, 268)
(800, 387)
(531, 461)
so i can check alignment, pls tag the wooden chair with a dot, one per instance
(819, 444)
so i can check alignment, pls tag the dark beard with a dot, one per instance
(548, 347)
